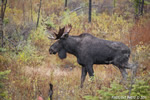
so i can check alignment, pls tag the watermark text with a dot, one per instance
(129, 97)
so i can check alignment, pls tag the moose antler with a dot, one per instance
(62, 31)
(57, 36)
(68, 28)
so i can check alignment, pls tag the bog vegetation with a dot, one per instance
(26, 68)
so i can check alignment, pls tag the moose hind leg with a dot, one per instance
(83, 75)
(90, 70)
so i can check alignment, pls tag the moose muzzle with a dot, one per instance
(51, 51)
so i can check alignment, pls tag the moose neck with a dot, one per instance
(70, 44)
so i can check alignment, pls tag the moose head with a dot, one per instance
(58, 47)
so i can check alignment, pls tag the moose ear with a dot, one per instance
(62, 54)
(65, 36)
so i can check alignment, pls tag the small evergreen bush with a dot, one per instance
(140, 90)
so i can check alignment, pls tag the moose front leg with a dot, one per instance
(83, 75)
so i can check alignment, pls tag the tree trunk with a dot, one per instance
(1, 31)
(139, 8)
(65, 3)
(39, 14)
(2, 14)
(90, 10)
(23, 9)
(1, 23)
(31, 10)
(142, 7)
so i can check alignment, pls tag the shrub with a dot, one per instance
(140, 90)
(114, 90)
(39, 38)
(29, 54)
(3, 91)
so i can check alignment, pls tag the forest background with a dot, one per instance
(26, 68)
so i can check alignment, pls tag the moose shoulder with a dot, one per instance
(90, 50)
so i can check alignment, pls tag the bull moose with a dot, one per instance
(91, 50)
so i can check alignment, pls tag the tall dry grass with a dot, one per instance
(140, 33)
(29, 82)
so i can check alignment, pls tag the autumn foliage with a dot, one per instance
(27, 68)
(140, 33)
